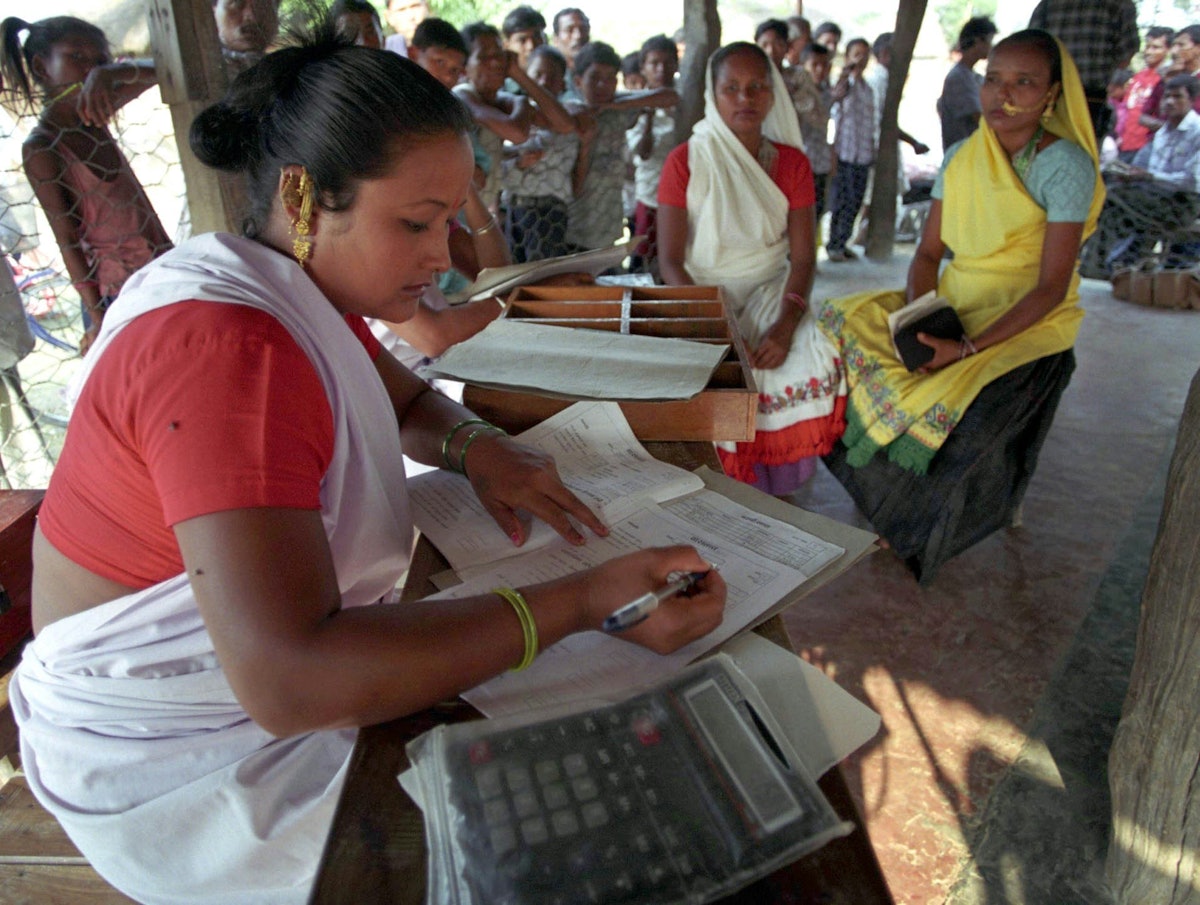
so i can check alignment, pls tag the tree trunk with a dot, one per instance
(1155, 851)
(702, 35)
(881, 231)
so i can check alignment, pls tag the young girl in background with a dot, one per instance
(101, 218)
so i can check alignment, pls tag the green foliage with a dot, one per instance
(460, 12)
(953, 15)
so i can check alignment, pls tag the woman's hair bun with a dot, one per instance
(224, 138)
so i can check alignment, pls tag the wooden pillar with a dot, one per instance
(1155, 756)
(702, 34)
(191, 75)
(881, 231)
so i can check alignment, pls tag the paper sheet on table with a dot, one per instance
(762, 560)
(597, 457)
(823, 722)
(577, 363)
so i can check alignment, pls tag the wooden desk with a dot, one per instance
(376, 846)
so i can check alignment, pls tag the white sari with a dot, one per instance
(738, 239)
(130, 733)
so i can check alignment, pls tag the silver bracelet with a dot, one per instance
(487, 227)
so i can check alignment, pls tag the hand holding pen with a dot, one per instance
(641, 607)
(679, 613)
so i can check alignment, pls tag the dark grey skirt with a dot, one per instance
(975, 481)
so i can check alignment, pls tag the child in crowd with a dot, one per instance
(631, 72)
(358, 20)
(537, 173)
(1118, 87)
(631, 80)
(523, 29)
(102, 220)
(772, 36)
(438, 48)
(649, 143)
(799, 37)
(829, 34)
(854, 145)
(814, 124)
(499, 115)
(596, 214)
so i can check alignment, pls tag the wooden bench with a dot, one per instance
(38, 863)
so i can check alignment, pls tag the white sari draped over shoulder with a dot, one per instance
(738, 239)
(130, 733)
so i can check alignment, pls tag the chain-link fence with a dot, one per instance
(40, 339)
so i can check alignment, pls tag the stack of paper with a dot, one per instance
(764, 560)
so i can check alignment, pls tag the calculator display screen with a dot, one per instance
(746, 760)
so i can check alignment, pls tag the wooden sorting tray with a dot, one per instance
(724, 410)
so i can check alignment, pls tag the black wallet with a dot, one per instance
(943, 323)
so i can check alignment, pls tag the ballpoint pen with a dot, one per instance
(639, 608)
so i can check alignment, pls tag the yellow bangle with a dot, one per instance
(528, 625)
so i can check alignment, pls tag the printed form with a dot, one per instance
(761, 559)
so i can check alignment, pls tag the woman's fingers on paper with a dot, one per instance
(557, 506)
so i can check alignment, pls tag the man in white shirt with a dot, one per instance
(1160, 194)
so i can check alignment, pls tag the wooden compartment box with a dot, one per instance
(724, 410)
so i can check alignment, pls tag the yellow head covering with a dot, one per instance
(1070, 120)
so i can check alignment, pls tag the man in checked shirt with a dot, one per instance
(1102, 37)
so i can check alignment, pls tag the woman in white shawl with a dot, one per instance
(736, 210)
(211, 607)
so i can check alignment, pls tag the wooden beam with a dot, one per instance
(191, 76)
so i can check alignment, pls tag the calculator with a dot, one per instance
(681, 794)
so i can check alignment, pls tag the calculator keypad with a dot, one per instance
(589, 808)
(627, 804)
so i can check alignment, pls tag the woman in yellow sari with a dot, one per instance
(940, 457)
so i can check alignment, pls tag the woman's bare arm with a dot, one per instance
(923, 271)
(672, 245)
(110, 87)
(266, 586)
(431, 331)
(773, 348)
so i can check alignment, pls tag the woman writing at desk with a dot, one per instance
(939, 458)
(204, 646)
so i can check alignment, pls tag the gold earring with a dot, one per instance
(300, 194)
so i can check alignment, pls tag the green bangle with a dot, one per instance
(462, 453)
(528, 626)
(450, 436)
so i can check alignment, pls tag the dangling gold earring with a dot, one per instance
(1048, 113)
(300, 195)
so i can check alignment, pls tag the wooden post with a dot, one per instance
(881, 230)
(702, 35)
(1155, 755)
(191, 75)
